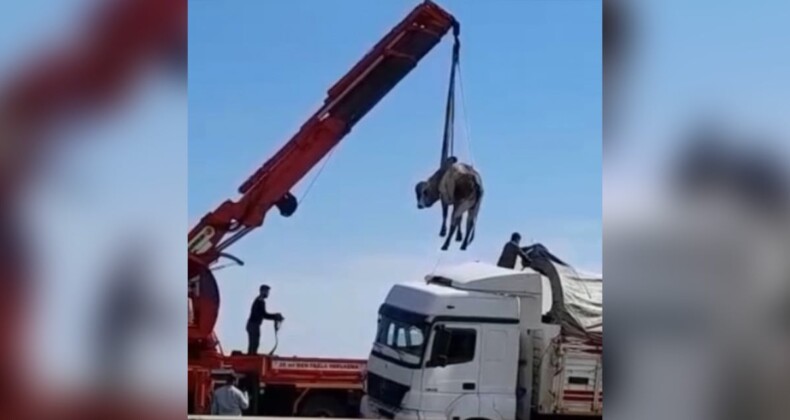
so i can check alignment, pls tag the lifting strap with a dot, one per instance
(276, 339)
(448, 141)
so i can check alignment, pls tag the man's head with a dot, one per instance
(263, 291)
(231, 380)
(515, 238)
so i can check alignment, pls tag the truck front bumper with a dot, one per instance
(373, 410)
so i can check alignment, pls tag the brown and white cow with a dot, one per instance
(454, 184)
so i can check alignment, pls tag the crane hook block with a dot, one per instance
(287, 205)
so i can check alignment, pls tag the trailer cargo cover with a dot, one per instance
(576, 297)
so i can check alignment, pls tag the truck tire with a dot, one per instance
(323, 406)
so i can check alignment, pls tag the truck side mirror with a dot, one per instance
(441, 347)
(440, 360)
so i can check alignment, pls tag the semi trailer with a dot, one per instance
(478, 341)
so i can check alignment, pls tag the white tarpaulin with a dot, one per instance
(576, 297)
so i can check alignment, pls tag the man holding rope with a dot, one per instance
(257, 315)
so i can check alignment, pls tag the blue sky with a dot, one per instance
(257, 70)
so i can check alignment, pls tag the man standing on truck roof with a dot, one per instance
(257, 315)
(511, 250)
(228, 400)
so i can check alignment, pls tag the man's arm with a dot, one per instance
(275, 316)
(525, 260)
(243, 399)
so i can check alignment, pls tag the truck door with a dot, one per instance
(452, 371)
(499, 364)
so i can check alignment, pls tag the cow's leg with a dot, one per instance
(473, 213)
(444, 220)
(458, 213)
(470, 229)
(454, 225)
(471, 224)
(459, 236)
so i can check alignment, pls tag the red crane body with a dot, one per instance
(353, 96)
(350, 99)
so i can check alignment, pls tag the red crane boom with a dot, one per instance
(346, 103)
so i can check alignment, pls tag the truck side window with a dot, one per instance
(462, 346)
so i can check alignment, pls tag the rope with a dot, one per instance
(439, 259)
(448, 140)
(223, 266)
(467, 128)
(276, 339)
(317, 174)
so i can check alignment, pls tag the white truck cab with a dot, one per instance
(465, 344)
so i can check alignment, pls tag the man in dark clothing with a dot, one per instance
(510, 251)
(257, 315)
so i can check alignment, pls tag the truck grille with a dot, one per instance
(385, 391)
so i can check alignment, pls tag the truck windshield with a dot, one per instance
(401, 336)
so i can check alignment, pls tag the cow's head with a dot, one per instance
(426, 196)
